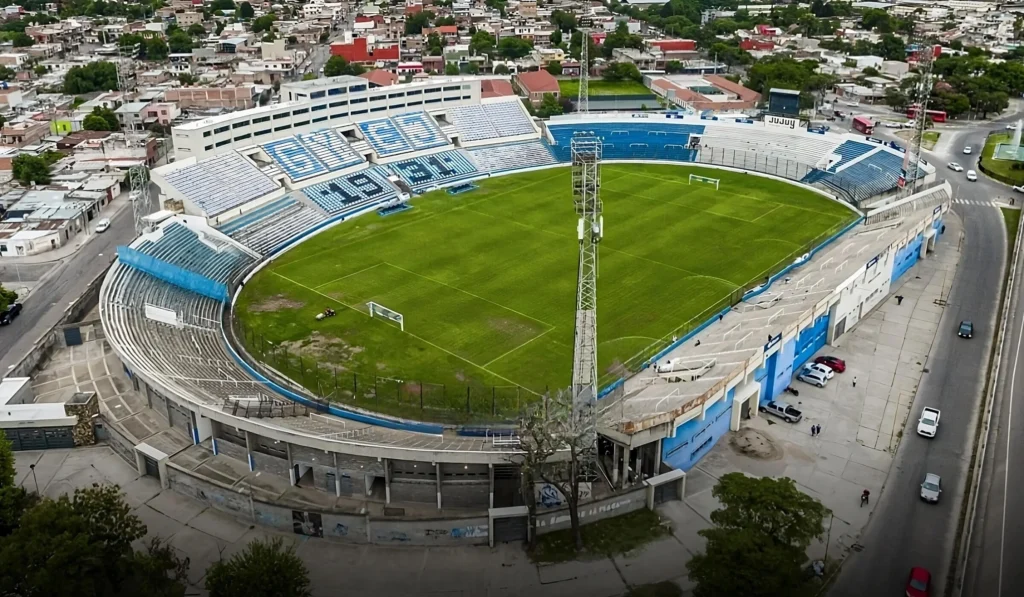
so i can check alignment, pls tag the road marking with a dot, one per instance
(1006, 478)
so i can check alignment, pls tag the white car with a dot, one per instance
(928, 424)
(931, 488)
(821, 368)
(972, 176)
(1011, 127)
(102, 225)
(815, 378)
(1019, 189)
(955, 167)
(968, 150)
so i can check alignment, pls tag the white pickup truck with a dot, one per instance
(928, 424)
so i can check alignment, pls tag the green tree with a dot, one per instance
(224, 5)
(91, 533)
(14, 500)
(482, 42)
(187, 79)
(451, 69)
(673, 66)
(764, 522)
(514, 47)
(245, 11)
(292, 40)
(6, 74)
(556, 38)
(336, 66)
(500, 69)
(549, 106)
(40, 70)
(264, 23)
(892, 47)
(196, 30)
(876, 18)
(554, 67)
(563, 21)
(95, 76)
(414, 24)
(21, 40)
(895, 99)
(156, 48)
(263, 569)
(435, 45)
(30, 169)
(473, 68)
(622, 71)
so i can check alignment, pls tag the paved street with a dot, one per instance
(905, 532)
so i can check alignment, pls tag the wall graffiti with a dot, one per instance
(470, 532)
(550, 496)
(309, 524)
(393, 536)
(340, 530)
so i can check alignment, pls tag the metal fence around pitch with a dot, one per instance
(784, 168)
(468, 402)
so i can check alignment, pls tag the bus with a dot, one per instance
(863, 124)
(933, 115)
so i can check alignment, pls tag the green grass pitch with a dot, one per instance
(486, 283)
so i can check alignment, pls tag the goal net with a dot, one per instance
(378, 310)
(704, 180)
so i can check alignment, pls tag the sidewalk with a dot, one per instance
(886, 352)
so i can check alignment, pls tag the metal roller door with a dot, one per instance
(151, 467)
(40, 438)
(507, 530)
(669, 492)
(180, 417)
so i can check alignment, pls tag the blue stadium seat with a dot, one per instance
(384, 137)
(351, 191)
(420, 130)
(182, 247)
(264, 211)
(429, 170)
(331, 149)
(625, 141)
(298, 163)
(849, 151)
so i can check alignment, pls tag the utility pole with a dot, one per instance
(925, 57)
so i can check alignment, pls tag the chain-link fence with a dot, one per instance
(468, 402)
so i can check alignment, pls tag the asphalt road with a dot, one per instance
(997, 542)
(904, 531)
(60, 287)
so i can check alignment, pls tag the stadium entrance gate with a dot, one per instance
(507, 530)
(666, 492)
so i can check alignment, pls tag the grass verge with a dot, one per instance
(661, 589)
(571, 88)
(605, 538)
(1001, 170)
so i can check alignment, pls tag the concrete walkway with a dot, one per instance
(886, 353)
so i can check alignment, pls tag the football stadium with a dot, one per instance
(348, 299)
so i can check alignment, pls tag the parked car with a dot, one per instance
(920, 583)
(968, 150)
(824, 369)
(972, 176)
(931, 488)
(1019, 189)
(834, 363)
(783, 411)
(966, 329)
(955, 167)
(1011, 127)
(12, 311)
(928, 424)
(102, 225)
(815, 378)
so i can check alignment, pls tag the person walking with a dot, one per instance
(814, 430)
(899, 299)
(817, 430)
(855, 381)
(864, 497)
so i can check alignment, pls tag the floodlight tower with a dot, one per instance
(138, 175)
(922, 93)
(586, 189)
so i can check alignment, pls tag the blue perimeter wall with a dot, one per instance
(696, 437)
(908, 255)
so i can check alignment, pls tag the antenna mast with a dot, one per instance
(138, 175)
(583, 101)
(922, 93)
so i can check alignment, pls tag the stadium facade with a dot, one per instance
(253, 183)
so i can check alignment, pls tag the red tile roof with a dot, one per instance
(538, 82)
(675, 45)
(495, 88)
(358, 52)
(381, 78)
(744, 94)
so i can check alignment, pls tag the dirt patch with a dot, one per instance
(318, 346)
(460, 375)
(618, 369)
(278, 302)
(510, 327)
(382, 366)
(751, 442)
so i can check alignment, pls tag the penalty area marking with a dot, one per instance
(421, 339)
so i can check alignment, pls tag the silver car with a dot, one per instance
(931, 488)
(815, 378)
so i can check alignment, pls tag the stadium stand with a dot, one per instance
(331, 149)
(622, 141)
(875, 173)
(298, 163)
(505, 158)
(351, 191)
(384, 137)
(847, 152)
(491, 121)
(268, 227)
(180, 246)
(223, 182)
(420, 130)
(429, 170)
(805, 148)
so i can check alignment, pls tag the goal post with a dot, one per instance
(378, 310)
(704, 180)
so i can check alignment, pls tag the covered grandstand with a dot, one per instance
(247, 202)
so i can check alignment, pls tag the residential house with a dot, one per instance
(534, 85)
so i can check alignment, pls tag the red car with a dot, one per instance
(919, 584)
(835, 363)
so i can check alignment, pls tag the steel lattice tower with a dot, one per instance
(923, 92)
(138, 176)
(583, 100)
(586, 189)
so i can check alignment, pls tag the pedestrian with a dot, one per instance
(855, 381)
(864, 497)
(720, 316)
(813, 430)
(817, 431)
(899, 299)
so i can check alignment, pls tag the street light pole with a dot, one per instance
(35, 482)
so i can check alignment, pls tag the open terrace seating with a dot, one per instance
(351, 191)
(331, 149)
(298, 163)
(491, 121)
(221, 183)
(420, 130)
(799, 146)
(268, 233)
(849, 151)
(627, 140)
(503, 158)
(260, 213)
(425, 171)
(384, 137)
(182, 247)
